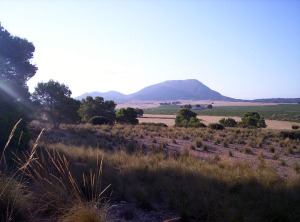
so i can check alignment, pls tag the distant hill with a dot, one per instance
(110, 95)
(190, 89)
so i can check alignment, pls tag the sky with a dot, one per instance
(242, 49)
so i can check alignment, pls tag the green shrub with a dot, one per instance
(216, 126)
(187, 118)
(290, 134)
(154, 124)
(295, 127)
(228, 122)
(253, 119)
(99, 120)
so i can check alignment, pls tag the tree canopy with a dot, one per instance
(187, 118)
(15, 65)
(15, 70)
(253, 119)
(228, 122)
(91, 107)
(128, 115)
(54, 100)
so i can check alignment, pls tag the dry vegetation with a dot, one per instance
(198, 174)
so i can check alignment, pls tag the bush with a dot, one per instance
(290, 134)
(128, 116)
(187, 118)
(99, 120)
(228, 122)
(253, 119)
(216, 126)
(295, 127)
(154, 124)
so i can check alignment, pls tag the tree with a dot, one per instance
(128, 115)
(189, 106)
(15, 70)
(91, 107)
(187, 118)
(15, 66)
(70, 109)
(140, 112)
(209, 106)
(99, 120)
(253, 119)
(228, 122)
(54, 100)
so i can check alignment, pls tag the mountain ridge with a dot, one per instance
(189, 89)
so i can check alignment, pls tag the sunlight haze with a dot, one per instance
(242, 49)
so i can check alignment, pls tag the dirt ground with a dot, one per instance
(170, 121)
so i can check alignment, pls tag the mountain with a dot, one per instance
(110, 95)
(190, 89)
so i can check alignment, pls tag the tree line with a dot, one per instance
(51, 101)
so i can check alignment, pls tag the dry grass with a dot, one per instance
(202, 174)
(144, 165)
(53, 190)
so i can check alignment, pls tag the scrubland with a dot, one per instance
(79, 172)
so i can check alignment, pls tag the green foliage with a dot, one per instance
(294, 135)
(15, 70)
(15, 66)
(128, 115)
(54, 100)
(184, 114)
(253, 119)
(228, 122)
(140, 112)
(154, 124)
(91, 107)
(189, 106)
(70, 111)
(209, 106)
(216, 126)
(187, 118)
(99, 120)
(295, 127)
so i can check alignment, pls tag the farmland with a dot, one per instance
(283, 112)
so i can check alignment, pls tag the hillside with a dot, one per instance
(110, 95)
(178, 89)
(190, 89)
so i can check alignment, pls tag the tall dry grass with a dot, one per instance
(43, 185)
(197, 190)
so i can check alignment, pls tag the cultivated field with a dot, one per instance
(156, 103)
(170, 121)
(270, 111)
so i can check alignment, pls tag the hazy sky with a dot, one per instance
(242, 49)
